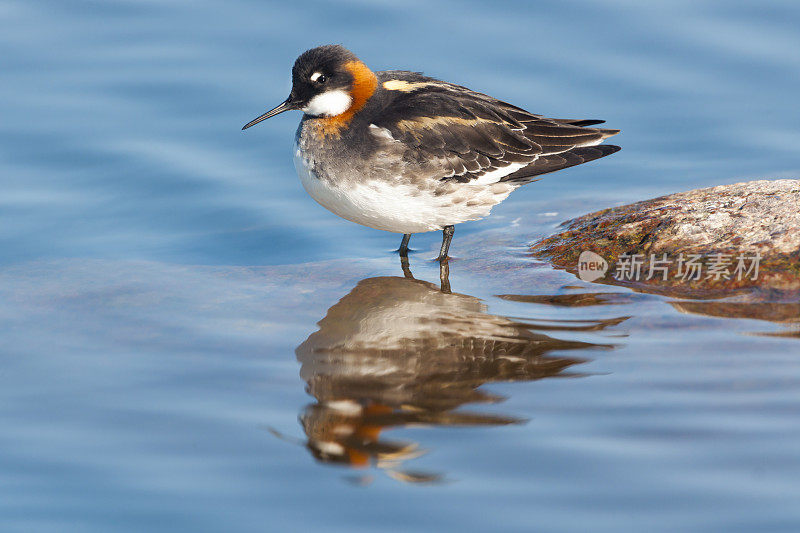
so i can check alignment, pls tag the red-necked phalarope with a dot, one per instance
(402, 152)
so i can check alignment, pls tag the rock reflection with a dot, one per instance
(787, 314)
(397, 352)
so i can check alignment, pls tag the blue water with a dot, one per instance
(161, 272)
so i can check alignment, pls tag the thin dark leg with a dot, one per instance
(406, 268)
(447, 236)
(404, 245)
(444, 276)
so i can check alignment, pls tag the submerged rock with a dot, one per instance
(704, 242)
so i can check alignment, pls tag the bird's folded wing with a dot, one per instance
(473, 138)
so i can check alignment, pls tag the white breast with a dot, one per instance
(399, 207)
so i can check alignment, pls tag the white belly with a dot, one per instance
(401, 207)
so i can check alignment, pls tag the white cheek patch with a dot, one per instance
(329, 104)
(315, 76)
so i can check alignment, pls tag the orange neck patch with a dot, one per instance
(364, 85)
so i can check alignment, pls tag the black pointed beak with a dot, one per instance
(287, 105)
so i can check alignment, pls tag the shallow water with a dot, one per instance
(190, 343)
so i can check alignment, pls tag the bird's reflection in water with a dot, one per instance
(397, 352)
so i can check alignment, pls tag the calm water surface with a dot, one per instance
(188, 342)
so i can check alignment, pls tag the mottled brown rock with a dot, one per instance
(720, 224)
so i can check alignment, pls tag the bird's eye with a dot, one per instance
(322, 79)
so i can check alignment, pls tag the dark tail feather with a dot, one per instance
(582, 123)
(551, 163)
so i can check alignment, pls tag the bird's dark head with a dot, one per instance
(327, 81)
